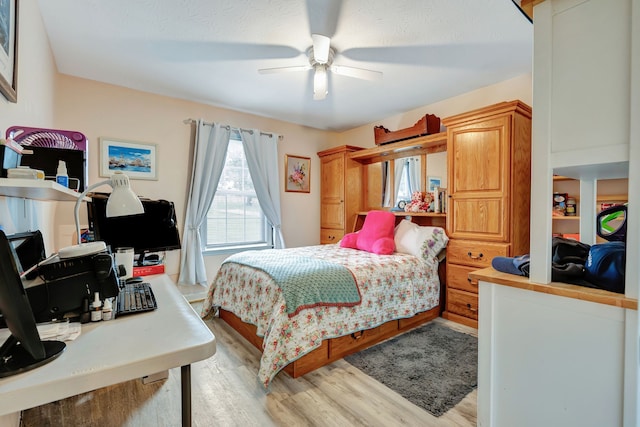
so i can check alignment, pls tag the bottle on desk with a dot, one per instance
(62, 177)
(96, 308)
(107, 309)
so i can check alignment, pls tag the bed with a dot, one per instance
(397, 292)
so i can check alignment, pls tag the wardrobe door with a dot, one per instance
(479, 180)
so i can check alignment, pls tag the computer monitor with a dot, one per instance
(28, 250)
(155, 230)
(23, 350)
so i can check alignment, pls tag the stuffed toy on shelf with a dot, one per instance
(419, 202)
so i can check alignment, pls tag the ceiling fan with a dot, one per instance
(321, 56)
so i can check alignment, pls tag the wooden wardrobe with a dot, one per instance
(489, 184)
(341, 192)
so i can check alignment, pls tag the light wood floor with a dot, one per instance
(226, 392)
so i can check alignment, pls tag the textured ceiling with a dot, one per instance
(209, 51)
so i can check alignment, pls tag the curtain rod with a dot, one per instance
(192, 121)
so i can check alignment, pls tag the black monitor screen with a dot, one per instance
(28, 249)
(154, 231)
(23, 350)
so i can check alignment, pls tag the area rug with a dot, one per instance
(433, 366)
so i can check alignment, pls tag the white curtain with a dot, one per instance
(209, 158)
(261, 151)
(413, 163)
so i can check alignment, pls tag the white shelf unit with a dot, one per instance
(576, 359)
(608, 191)
(36, 189)
(581, 118)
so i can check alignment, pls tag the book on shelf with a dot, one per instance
(440, 200)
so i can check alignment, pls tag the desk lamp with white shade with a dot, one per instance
(122, 202)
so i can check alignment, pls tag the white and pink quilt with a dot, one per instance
(391, 287)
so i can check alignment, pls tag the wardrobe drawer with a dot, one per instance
(330, 235)
(475, 254)
(458, 278)
(462, 303)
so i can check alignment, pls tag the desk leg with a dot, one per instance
(185, 375)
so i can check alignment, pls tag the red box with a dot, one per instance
(148, 270)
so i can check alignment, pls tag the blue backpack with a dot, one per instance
(605, 266)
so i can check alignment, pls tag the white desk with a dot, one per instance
(119, 350)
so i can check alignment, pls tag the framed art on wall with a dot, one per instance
(433, 182)
(297, 178)
(138, 160)
(9, 49)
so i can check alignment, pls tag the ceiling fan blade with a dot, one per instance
(451, 55)
(284, 69)
(321, 45)
(358, 73)
(323, 16)
(204, 51)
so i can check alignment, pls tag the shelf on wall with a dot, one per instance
(612, 198)
(36, 189)
(428, 144)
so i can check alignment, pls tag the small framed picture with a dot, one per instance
(297, 178)
(138, 160)
(433, 182)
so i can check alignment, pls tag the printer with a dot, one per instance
(64, 281)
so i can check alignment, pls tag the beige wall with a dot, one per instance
(100, 110)
(36, 71)
(36, 92)
(516, 88)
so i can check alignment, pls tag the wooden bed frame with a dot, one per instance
(336, 348)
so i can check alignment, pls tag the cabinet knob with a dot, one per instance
(479, 256)
(473, 310)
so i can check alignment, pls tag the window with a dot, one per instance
(409, 177)
(404, 190)
(235, 220)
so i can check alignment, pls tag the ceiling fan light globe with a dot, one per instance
(320, 82)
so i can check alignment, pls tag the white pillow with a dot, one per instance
(420, 241)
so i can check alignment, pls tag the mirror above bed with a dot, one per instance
(398, 179)
(420, 158)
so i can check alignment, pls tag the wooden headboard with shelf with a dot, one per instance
(420, 218)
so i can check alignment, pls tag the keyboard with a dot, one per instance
(135, 298)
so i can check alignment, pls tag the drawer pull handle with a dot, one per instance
(357, 335)
(473, 310)
(479, 256)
